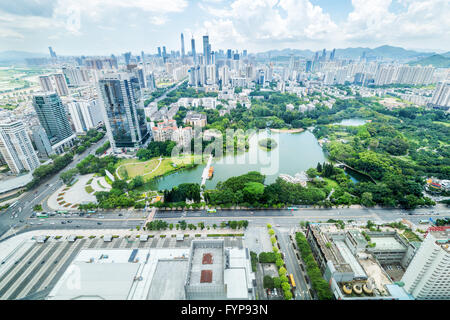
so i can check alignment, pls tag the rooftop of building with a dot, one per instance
(386, 243)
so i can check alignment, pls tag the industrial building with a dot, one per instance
(352, 267)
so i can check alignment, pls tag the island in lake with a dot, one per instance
(268, 143)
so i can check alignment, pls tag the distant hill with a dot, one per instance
(386, 52)
(19, 56)
(436, 60)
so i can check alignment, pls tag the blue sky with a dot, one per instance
(115, 26)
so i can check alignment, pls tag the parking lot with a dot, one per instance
(35, 268)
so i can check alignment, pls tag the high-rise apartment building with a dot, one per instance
(428, 274)
(123, 111)
(16, 148)
(55, 82)
(52, 116)
(441, 95)
(85, 114)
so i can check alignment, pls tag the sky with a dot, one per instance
(102, 27)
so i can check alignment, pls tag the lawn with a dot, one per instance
(135, 167)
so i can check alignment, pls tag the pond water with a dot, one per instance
(354, 122)
(295, 152)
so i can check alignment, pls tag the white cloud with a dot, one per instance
(158, 20)
(268, 20)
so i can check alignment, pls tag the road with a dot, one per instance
(25, 204)
(126, 219)
(292, 265)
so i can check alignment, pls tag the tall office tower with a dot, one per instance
(229, 54)
(428, 274)
(324, 55)
(441, 95)
(41, 141)
(332, 54)
(151, 83)
(309, 65)
(113, 61)
(244, 53)
(52, 53)
(127, 56)
(316, 57)
(236, 56)
(60, 84)
(206, 49)
(123, 111)
(213, 57)
(164, 51)
(194, 54)
(85, 114)
(143, 56)
(46, 83)
(159, 52)
(52, 116)
(182, 45)
(16, 148)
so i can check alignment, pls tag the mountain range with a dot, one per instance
(386, 52)
(436, 60)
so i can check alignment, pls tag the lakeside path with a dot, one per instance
(288, 130)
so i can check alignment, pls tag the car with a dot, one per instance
(120, 215)
(39, 223)
(52, 223)
(277, 225)
(77, 226)
(69, 221)
(99, 223)
(63, 222)
(21, 221)
(101, 217)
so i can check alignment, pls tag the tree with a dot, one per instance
(282, 271)
(279, 263)
(276, 282)
(319, 167)
(285, 286)
(367, 199)
(271, 232)
(287, 295)
(268, 282)
(273, 240)
(312, 173)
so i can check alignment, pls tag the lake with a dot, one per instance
(295, 152)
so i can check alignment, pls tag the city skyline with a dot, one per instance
(72, 27)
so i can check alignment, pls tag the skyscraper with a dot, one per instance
(16, 147)
(332, 54)
(229, 54)
(182, 45)
(123, 110)
(85, 114)
(194, 54)
(52, 53)
(427, 276)
(206, 50)
(127, 56)
(46, 83)
(159, 52)
(60, 84)
(52, 116)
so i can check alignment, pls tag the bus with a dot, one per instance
(292, 208)
(42, 215)
(13, 204)
(291, 277)
(92, 211)
(62, 212)
(211, 210)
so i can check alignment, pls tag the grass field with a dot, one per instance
(147, 170)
